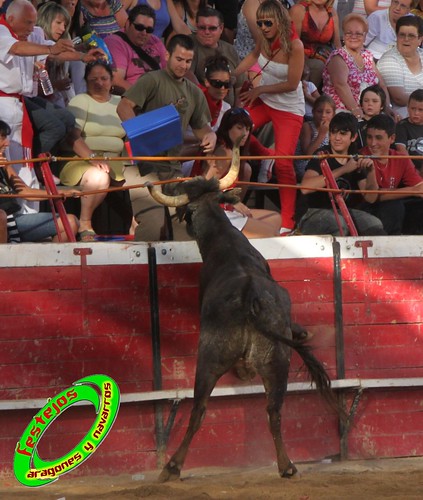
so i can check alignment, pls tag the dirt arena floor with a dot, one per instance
(352, 480)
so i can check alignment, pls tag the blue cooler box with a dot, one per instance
(154, 132)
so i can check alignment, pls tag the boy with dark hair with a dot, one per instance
(372, 102)
(398, 175)
(409, 131)
(349, 174)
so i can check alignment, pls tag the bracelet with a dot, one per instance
(93, 155)
(49, 49)
(81, 57)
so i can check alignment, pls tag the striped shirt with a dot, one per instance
(395, 72)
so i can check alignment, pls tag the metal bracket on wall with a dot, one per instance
(364, 245)
(82, 253)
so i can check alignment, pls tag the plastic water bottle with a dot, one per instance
(45, 81)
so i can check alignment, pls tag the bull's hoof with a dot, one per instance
(289, 472)
(169, 473)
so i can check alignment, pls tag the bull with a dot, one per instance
(245, 314)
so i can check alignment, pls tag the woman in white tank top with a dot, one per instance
(279, 98)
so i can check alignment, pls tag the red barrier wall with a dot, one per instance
(59, 323)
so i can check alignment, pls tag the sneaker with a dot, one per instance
(284, 231)
(266, 168)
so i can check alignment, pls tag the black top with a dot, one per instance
(410, 136)
(320, 199)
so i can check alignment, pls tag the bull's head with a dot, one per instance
(195, 188)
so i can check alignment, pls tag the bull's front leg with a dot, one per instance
(172, 470)
(204, 384)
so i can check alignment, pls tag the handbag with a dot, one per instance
(322, 52)
(248, 84)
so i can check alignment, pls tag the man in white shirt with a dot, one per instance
(17, 58)
(381, 34)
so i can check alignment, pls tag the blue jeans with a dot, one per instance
(35, 227)
(323, 221)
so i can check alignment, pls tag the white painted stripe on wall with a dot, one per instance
(124, 253)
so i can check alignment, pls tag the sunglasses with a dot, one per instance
(266, 22)
(207, 28)
(219, 84)
(141, 27)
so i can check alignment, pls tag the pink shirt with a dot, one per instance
(125, 58)
(358, 78)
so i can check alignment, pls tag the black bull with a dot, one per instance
(245, 314)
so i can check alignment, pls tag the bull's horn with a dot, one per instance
(232, 175)
(164, 199)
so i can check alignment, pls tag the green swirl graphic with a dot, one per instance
(100, 390)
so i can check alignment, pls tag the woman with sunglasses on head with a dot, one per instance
(99, 133)
(402, 66)
(254, 223)
(279, 98)
(350, 70)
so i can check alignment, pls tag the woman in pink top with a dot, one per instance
(351, 69)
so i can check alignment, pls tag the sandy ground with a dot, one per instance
(353, 480)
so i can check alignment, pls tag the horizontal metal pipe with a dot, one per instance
(243, 390)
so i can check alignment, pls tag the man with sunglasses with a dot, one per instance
(136, 50)
(208, 43)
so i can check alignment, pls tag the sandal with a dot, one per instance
(86, 236)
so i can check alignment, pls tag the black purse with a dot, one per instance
(9, 205)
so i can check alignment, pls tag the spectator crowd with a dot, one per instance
(287, 78)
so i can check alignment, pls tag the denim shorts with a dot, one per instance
(35, 227)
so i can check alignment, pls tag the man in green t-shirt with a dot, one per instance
(154, 90)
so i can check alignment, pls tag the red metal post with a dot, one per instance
(57, 206)
(337, 199)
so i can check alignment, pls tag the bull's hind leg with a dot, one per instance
(275, 378)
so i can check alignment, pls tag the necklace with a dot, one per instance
(380, 165)
(355, 58)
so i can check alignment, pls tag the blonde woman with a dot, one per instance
(55, 21)
(279, 98)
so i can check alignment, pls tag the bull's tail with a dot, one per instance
(316, 370)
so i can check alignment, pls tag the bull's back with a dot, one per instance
(255, 299)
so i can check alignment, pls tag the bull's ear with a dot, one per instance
(230, 196)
